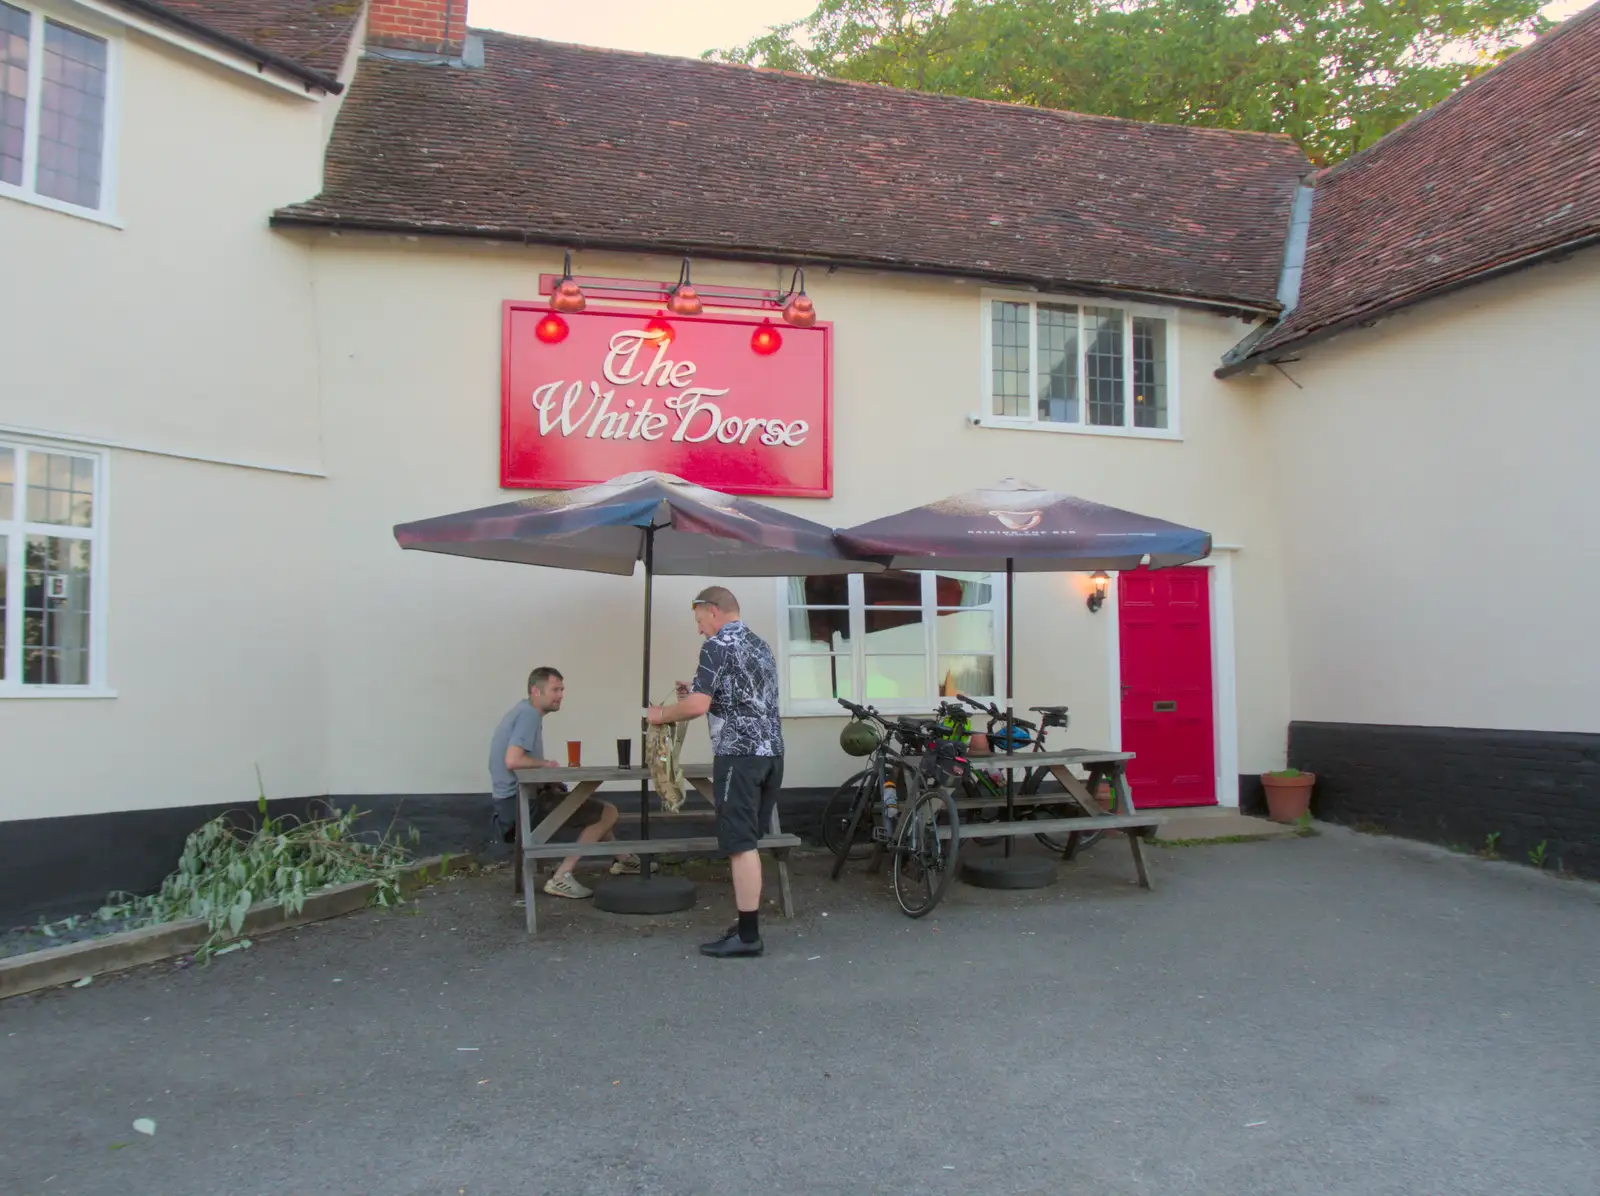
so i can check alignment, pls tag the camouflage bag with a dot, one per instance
(662, 746)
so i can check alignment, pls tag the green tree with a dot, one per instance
(1335, 76)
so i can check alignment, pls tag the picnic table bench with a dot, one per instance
(533, 842)
(1101, 765)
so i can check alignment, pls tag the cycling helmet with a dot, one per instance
(860, 738)
(1021, 738)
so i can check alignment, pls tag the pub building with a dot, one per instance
(273, 286)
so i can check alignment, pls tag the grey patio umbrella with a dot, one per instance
(1016, 526)
(674, 527)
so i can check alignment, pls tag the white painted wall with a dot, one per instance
(215, 629)
(188, 330)
(1437, 490)
(425, 652)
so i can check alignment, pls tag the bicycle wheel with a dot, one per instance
(1068, 843)
(926, 844)
(843, 833)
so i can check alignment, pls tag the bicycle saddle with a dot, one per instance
(1049, 709)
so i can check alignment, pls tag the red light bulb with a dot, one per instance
(658, 331)
(766, 340)
(551, 330)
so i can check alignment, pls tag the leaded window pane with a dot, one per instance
(60, 489)
(1058, 364)
(55, 611)
(1149, 372)
(14, 28)
(8, 480)
(72, 113)
(1103, 365)
(1012, 359)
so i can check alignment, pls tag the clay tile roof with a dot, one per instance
(312, 35)
(568, 145)
(1505, 169)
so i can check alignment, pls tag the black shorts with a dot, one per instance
(746, 789)
(544, 799)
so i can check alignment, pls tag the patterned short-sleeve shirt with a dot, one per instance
(740, 675)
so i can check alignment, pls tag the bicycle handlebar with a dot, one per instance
(998, 715)
(900, 725)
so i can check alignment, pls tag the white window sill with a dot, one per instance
(56, 692)
(1028, 425)
(7, 191)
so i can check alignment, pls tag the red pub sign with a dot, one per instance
(736, 403)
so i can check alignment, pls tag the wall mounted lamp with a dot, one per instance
(682, 300)
(798, 311)
(1098, 599)
(568, 295)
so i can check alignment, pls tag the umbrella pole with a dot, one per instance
(644, 723)
(1011, 657)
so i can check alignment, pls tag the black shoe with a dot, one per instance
(725, 948)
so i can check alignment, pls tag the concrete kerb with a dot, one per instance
(135, 948)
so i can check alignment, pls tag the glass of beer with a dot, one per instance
(624, 753)
(574, 753)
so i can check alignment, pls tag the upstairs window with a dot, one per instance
(1079, 367)
(54, 84)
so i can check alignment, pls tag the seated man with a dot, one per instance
(519, 743)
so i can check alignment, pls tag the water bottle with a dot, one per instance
(891, 804)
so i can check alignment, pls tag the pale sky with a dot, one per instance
(683, 27)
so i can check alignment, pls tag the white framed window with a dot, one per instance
(1066, 365)
(52, 570)
(894, 640)
(56, 84)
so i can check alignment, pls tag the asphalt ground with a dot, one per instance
(1338, 1014)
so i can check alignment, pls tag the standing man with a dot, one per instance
(736, 686)
(518, 742)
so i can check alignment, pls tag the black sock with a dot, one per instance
(748, 931)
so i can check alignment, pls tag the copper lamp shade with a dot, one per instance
(568, 296)
(682, 300)
(798, 311)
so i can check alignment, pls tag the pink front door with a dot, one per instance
(1167, 721)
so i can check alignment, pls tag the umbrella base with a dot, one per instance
(1013, 872)
(644, 895)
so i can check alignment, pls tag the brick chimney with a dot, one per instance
(429, 26)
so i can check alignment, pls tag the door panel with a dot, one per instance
(1167, 709)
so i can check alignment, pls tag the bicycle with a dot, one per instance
(1030, 736)
(846, 836)
(923, 838)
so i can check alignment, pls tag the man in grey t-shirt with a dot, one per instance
(518, 742)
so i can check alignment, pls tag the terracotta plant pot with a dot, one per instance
(1288, 798)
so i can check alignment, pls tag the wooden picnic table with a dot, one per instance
(1101, 765)
(533, 842)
